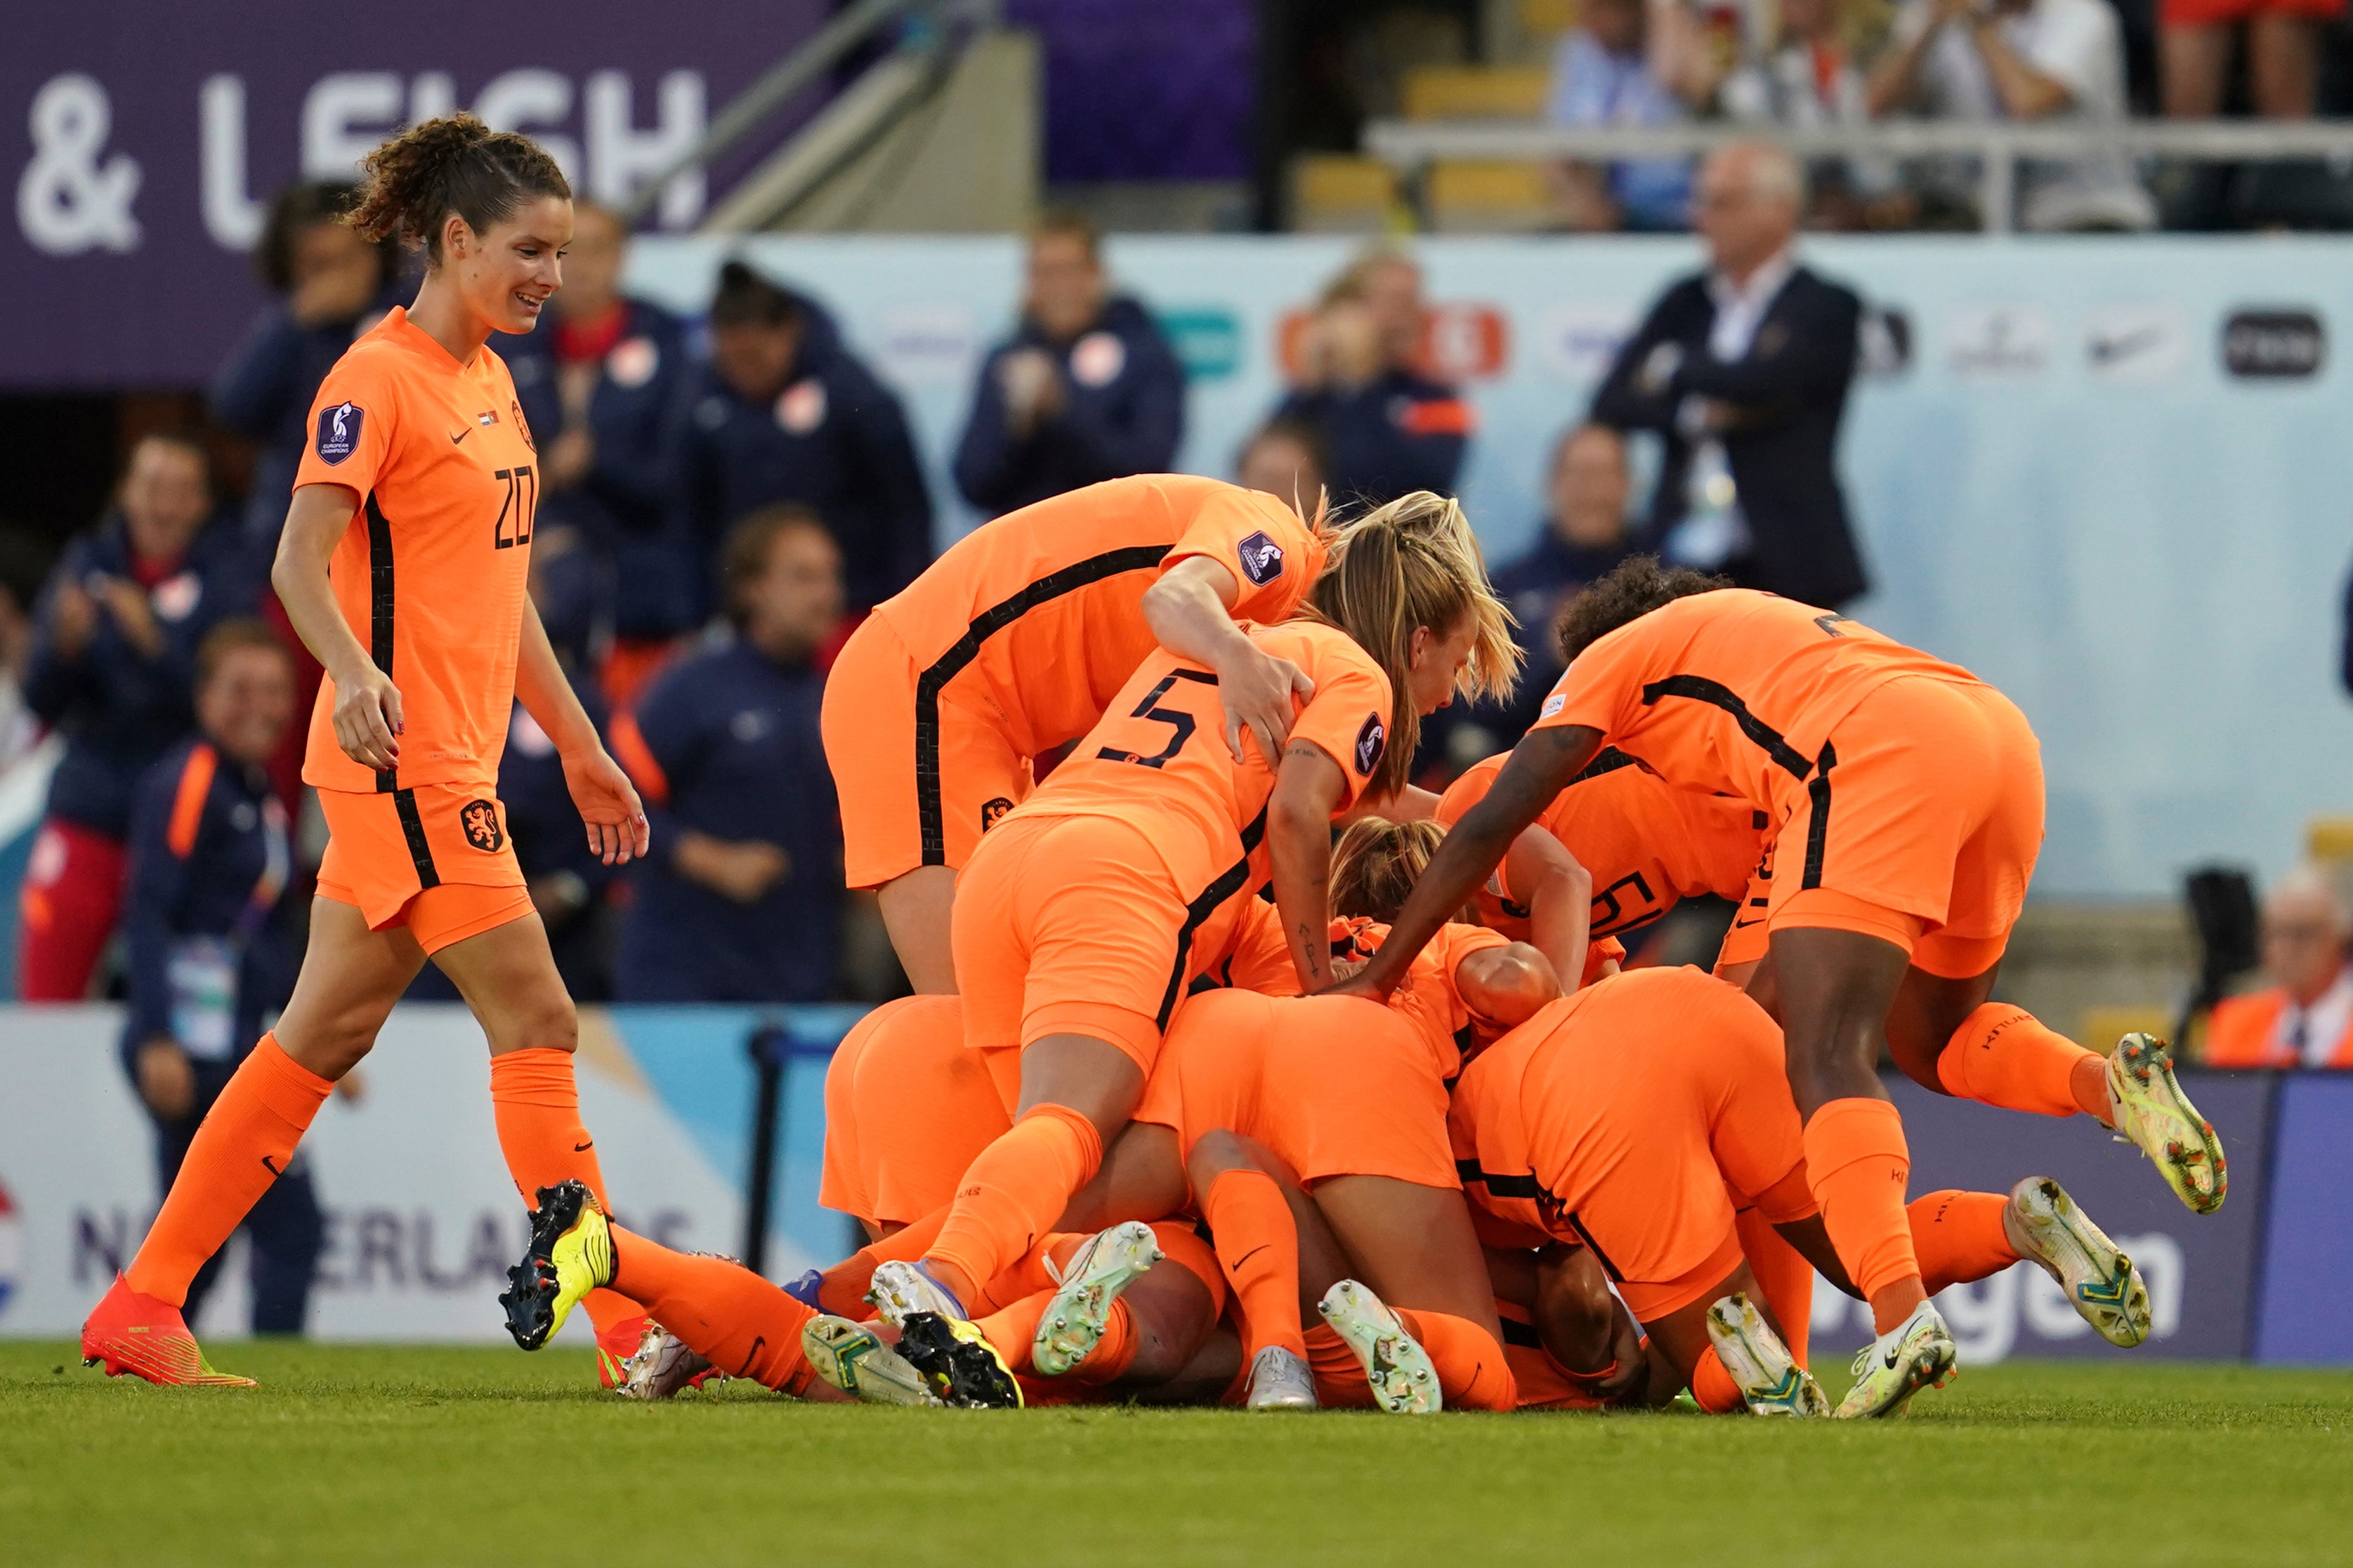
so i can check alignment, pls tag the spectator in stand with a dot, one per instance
(1584, 537)
(2284, 45)
(112, 668)
(1611, 71)
(1743, 371)
(1805, 79)
(2020, 60)
(1387, 428)
(1085, 390)
(329, 286)
(785, 413)
(21, 564)
(741, 900)
(212, 942)
(613, 366)
(2304, 1016)
(1284, 458)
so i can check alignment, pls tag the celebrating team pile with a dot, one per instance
(1192, 1104)
(1162, 1113)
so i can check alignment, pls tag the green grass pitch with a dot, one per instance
(381, 1455)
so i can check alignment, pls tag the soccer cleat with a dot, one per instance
(1404, 1381)
(664, 1366)
(1771, 1382)
(1105, 1265)
(1281, 1379)
(957, 1362)
(2152, 1112)
(1917, 1354)
(147, 1337)
(2100, 1280)
(853, 1359)
(900, 1290)
(571, 1254)
(616, 1343)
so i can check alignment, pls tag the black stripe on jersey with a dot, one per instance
(1523, 1335)
(1699, 689)
(1818, 831)
(1229, 882)
(1593, 1247)
(1497, 1184)
(379, 533)
(1609, 760)
(949, 665)
(412, 828)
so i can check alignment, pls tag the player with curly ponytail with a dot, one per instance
(402, 566)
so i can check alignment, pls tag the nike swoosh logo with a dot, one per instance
(1253, 1252)
(273, 1170)
(584, 1148)
(460, 436)
(1744, 925)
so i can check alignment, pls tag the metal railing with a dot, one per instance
(1411, 147)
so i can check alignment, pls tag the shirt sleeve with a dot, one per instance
(2071, 45)
(352, 422)
(1348, 717)
(1595, 691)
(1273, 556)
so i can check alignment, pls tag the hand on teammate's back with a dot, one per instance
(1257, 688)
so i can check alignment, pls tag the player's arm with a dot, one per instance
(608, 802)
(1585, 1328)
(1190, 612)
(1507, 984)
(367, 704)
(1307, 792)
(1540, 766)
(1557, 892)
(1410, 803)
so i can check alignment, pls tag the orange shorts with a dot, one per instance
(1662, 1090)
(1925, 829)
(907, 1111)
(434, 858)
(1337, 1086)
(921, 774)
(2222, 13)
(1070, 925)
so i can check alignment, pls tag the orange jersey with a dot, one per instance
(430, 572)
(1648, 845)
(1158, 761)
(1732, 692)
(1039, 612)
(1429, 997)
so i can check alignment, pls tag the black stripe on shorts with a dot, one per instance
(412, 828)
(1818, 831)
(379, 534)
(1229, 882)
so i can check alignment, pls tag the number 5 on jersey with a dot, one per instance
(516, 512)
(1181, 723)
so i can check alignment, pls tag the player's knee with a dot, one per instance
(550, 1023)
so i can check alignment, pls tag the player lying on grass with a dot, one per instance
(1906, 803)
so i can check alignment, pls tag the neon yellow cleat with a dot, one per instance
(2152, 1112)
(571, 1254)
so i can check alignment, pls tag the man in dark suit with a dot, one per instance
(1743, 368)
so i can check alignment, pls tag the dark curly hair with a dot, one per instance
(1638, 586)
(305, 206)
(453, 164)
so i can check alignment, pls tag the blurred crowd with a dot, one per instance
(2081, 63)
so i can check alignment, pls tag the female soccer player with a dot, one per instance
(1082, 919)
(402, 566)
(1012, 644)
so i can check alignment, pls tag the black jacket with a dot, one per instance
(1791, 390)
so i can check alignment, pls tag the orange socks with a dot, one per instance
(1784, 1277)
(1258, 1248)
(2001, 1055)
(242, 1148)
(1339, 1376)
(739, 1322)
(536, 1102)
(1015, 1191)
(1713, 1386)
(1959, 1237)
(1858, 1162)
(1472, 1372)
(843, 1289)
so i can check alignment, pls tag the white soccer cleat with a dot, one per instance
(2099, 1279)
(900, 1290)
(853, 1358)
(1404, 1381)
(1280, 1379)
(1917, 1354)
(1105, 1265)
(2153, 1112)
(1770, 1380)
(664, 1367)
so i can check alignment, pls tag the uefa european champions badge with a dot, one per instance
(1553, 704)
(1371, 741)
(339, 432)
(1261, 559)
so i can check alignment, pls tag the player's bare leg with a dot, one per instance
(916, 910)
